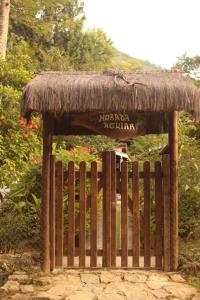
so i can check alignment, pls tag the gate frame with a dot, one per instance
(48, 132)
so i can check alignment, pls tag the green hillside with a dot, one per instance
(125, 62)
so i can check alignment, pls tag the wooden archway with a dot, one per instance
(172, 244)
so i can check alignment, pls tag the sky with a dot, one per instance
(154, 30)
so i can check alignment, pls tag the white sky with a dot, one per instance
(154, 30)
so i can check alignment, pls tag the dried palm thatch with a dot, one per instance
(64, 92)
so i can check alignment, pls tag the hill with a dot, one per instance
(125, 62)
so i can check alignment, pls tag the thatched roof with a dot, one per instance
(65, 92)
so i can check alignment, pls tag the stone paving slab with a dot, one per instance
(98, 285)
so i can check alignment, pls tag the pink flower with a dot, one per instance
(31, 125)
(92, 150)
(36, 159)
(86, 150)
(22, 121)
(73, 151)
(25, 136)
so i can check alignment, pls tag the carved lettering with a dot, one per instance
(126, 118)
(126, 126)
(132, 127)
(122, 118)
(117, 118)
(118, 126)
(112, 117)
(101, 118)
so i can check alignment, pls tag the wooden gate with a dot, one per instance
(128, 204)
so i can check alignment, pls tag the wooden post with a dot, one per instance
(82, 223)
(124, 214)
(47, 151)
(71, 215)
(173, 150)
(147, 216)
(94, 194)
(59, 214)
(52, 210)
(136, 214)
(159, 214)
(166, 213)
(113, 209)
(106, 209)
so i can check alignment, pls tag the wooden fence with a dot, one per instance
(144, 191)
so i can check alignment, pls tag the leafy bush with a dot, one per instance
(150, 147)
(18, 230)
(190, 257)
(189, 180)
(20, 212)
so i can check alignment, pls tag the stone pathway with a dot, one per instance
(97, 285)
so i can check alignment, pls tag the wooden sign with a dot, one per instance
(115, 125)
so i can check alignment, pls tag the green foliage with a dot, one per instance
(54, 29)
(189, 65)
(41, 22)
(76, 155)
(17, 229)
(20, 212)
(18, 147)
(150, 147)
(99, 143)
(189, 180)
(96, 51)
(147, 147)
(190, 259)
(18, 144)
(44, 35)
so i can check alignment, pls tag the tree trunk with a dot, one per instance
(4, 22)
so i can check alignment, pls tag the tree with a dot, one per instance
(40, 22)
(95, 51)
(189, 66)
(4, 21)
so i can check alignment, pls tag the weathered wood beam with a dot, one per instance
(45, 228)
(173, 150)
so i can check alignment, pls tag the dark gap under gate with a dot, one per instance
(103, 216)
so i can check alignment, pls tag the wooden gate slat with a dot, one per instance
(159, 214)
(71, 215)
(166, 218)
(136, 214)
(52, 213)
(59, 214)
(82, 226)
(113, 209)
(106, 209)
(147, 215)
(88, 201)
(124, 214)
(94, 192)
(173, 152)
